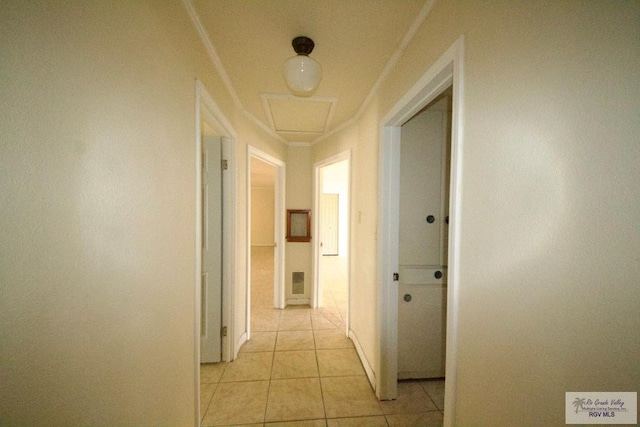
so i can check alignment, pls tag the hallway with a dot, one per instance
(300, 369)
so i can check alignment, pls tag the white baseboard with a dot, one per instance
(365, 363)
(297, 301)
(241, 340)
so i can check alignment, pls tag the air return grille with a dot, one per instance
(297, 278)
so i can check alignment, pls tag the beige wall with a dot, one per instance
(262, 216)
(248, 134)
(550, 234)
(97, 195)
(299, 196)
(549, 300)
(97, 188)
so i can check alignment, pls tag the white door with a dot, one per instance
(329, 211)
(211, 309)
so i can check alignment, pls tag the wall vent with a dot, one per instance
(297, 278)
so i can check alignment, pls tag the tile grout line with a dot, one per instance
(431, 398)
(266, 405)
(315, 353)
(332, 315)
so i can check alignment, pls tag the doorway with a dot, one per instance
(445, 73)
(330, 223)
(425, 148)
(265, 229)
(331, 248)
(263, 191)
(215, 153)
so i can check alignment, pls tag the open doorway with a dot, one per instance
(263, 198)
(445, 73)
(425, 153)
(214, 242)
(331, 260)
(265, 232)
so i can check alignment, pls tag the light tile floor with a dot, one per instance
(300, 369)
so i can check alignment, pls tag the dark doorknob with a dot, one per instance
(430, 219)
(438, 274)
(407, 297)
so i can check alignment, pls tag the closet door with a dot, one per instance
(422, 244)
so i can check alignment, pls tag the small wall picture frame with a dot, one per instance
(298, 225)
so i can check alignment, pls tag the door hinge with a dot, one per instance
(224, 165)
(223, 331)
(396, 277)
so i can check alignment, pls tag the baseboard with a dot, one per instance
(371, 376)
(241, 340)
(297, 301)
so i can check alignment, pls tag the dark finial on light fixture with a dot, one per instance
(303, 45)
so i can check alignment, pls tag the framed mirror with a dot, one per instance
(298, 225)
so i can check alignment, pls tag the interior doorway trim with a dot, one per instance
(316, 296)
(447, 71)
(279, 229)
(208, 111)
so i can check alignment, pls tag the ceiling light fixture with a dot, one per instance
(302, 73)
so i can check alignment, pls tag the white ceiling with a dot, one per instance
(356, 42)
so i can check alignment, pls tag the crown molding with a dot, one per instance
(263, 126)
(335, 130)
(393, 60)
(217, 63)
(211, 50)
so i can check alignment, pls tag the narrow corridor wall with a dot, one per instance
(548, 272)
(97, 188)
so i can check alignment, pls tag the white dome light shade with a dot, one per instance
(302, 74)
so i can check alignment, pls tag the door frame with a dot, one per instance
(279, 229)
(316, 296)
(447, 71)
(207, 110)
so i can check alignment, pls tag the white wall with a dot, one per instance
(97, 188)
(548, 293)
(550, 223)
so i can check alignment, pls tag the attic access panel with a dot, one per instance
(292, 115)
